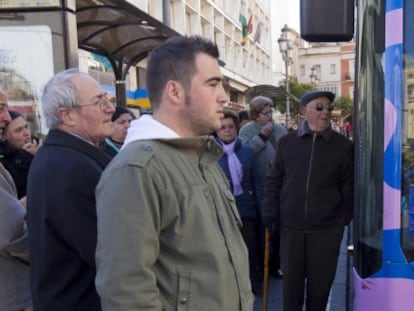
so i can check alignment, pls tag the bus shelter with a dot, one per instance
(42, 37)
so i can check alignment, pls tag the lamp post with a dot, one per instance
(284, 48)
(313, 76)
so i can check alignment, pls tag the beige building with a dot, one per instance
(245, 65)
(329, 66)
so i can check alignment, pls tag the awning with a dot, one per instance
(121, 32)
(274, 92)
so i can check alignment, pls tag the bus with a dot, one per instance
(383, 257)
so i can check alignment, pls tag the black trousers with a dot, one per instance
(311, 259)
(251, 238)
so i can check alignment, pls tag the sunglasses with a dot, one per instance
(320, 107)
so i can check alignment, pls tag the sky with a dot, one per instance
(283, 12)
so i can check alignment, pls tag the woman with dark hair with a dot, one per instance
(121, 120)
(19, 148)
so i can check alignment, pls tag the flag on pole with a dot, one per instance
(258, 32)
(250, 24)
(247, 27)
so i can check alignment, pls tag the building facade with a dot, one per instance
(247, 60)
(330, 66)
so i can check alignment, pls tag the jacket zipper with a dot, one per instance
(308, 180)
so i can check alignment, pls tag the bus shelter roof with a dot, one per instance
(118, 30)
(121, 32)
(274, 92)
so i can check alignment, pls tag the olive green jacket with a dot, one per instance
(168, 230)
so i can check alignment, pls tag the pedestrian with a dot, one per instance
(60, 192)
(309, 198)
(263, 134)
(348, 130)
(168, 227)
(19, 148)
(240, 168)
(244, 118)
(121, 119)
(14, 248)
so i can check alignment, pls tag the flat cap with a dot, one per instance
(310, 95)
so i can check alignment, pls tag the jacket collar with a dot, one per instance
(62, 138)
(305, 130)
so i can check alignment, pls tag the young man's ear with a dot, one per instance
(174, 91)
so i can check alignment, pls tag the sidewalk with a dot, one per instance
(340, 289)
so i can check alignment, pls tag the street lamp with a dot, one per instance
(284, 48)
(313, 76)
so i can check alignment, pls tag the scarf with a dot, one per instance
(235, 167)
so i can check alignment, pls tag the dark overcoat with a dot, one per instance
(62, 223)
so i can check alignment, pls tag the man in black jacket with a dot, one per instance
(309, 198)
(61, 193)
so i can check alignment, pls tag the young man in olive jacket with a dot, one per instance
(168, 227)
(309, 198)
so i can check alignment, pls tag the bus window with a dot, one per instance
(369, 141)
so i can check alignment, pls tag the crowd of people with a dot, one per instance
(168, 211)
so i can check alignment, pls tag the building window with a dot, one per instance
(302, 70)
(141, 80)
(351, 65)
(333, 69)
(234, 96)
(329, 88)
(317, 72)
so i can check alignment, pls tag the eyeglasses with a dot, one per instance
(267, 113)
(102, 102)
(320, 107)
(3, 107)
(230, 127)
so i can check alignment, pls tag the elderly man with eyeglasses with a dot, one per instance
(61, 193)
(309, 198)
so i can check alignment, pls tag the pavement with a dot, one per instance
(340, 297)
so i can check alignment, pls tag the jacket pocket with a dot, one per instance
(233, 207)
(184, 286)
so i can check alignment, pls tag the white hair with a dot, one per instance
(60, 91)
